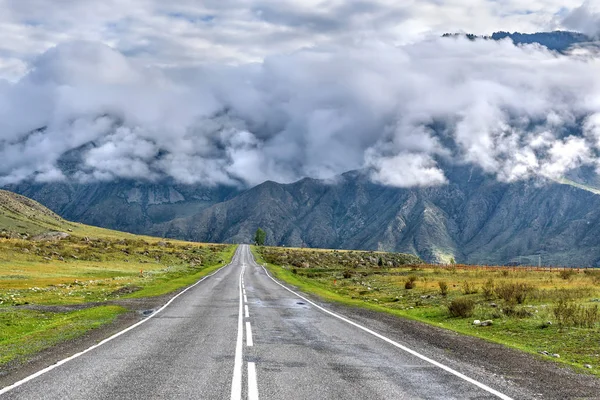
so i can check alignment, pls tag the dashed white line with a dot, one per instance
(249, 341)
(245, 299)
(252, 382)
(398, 345)
(244, 291)
(236, 382)
(247, 313)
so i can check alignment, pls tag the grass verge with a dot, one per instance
(26, 332)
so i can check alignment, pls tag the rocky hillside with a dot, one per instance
(473, 219)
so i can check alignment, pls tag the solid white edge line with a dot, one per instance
(247, 313)
(398, 345)
(249, 341)
(252, 382)
(236, 381)
(116, 335)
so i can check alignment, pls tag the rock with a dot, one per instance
(50, 236)
(161, 244)
(493, 305)
(548, 323)
(477, 322)
(487, 322)
(544, 353)
(588, 366)
(556, 355)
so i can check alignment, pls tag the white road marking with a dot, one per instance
(247, 313)
(244, 291)
(236, 382)
(116, 335)
(245, 299)
(252, 382)
(249, 341)
(398, 345)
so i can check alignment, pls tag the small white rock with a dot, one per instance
(588, 366)
(556, 355)
(477, 322)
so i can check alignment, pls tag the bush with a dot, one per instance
(566, 274)
(488, 289)
(347, 274)
(469, 288)
(514, 292)
(461, 307)
(569, 314)
(443, 288)
(411, 282)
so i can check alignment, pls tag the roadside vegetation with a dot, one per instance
(59, 279)
(553, 314)
(45, 283)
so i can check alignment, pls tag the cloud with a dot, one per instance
(188, 33)
(88, 112)
(585, 19)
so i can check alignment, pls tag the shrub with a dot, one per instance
(411, 282)
(569, 314)
(488, 289)
(461, 307)
(347, 274)
(469, 288)
(566, 274)
(514, 292)
(443, 288)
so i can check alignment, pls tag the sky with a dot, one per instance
(238, 92)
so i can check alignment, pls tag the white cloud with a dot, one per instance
(182, 33)
(166, 102)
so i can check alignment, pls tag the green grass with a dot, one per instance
(343, 278)
(26, 332)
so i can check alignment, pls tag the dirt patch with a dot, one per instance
(125, 290)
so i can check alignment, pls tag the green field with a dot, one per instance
(536, 311)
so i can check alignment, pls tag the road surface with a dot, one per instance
(239, 334)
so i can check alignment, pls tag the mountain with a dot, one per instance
(560, 41)
(473, 219)
(124, 205)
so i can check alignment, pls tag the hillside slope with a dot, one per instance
(22, 216)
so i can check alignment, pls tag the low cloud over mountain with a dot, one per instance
(398, 111)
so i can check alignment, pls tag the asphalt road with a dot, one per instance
(239, 334)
